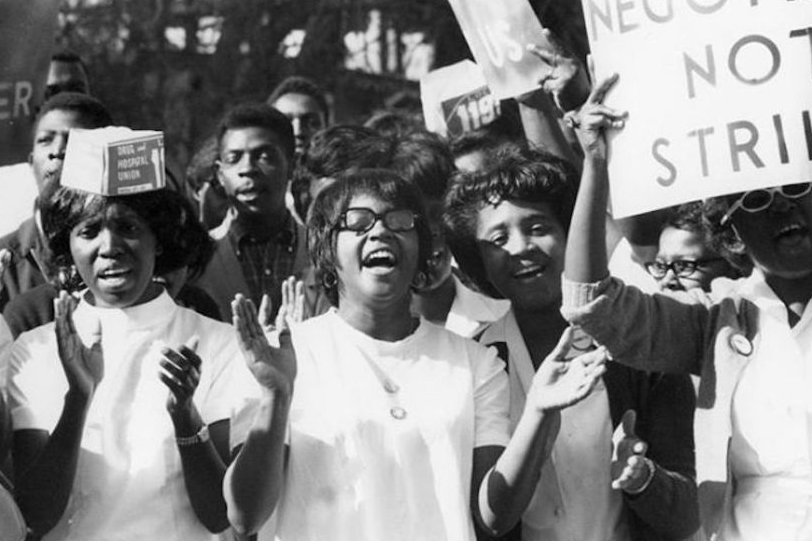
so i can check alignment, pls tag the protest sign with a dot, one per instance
(498, 34)
(114, 161)
(718, 94)
(26, 41)
(457, 100)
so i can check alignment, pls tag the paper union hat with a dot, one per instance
(114, 161)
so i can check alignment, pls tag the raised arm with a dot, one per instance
(507, 486)
(665, 333)
(203, 459)
(254, 479)
(585, 259)
(541, 128)
(45, 465)
(564, 85)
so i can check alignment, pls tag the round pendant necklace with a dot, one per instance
(392, 389)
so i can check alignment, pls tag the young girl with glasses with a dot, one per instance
(748, 340)
(686, 256)
(373, 424)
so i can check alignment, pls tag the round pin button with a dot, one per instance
(740, 344)
(398, 413)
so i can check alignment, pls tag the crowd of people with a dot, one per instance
(365, 332)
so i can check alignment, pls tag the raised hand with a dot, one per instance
(566, 78)
(180, 372)
(83, 366)
(5, 261)
(560, 382)
(290, 311)
(630, 469)
(594, 117)
(274, 368)
(293, 305)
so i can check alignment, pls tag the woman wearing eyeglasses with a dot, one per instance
(394, 428)
(748, 340)
(687, 257)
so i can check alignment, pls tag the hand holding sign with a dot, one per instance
(566, 78)
(631, 470)
(719, 92)
(496, 33)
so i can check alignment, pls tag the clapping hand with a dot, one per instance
(273, 367)
(5, 261)
(180, 372)
(630, 470)
(292, 308)
(560, 382)
(83, 366)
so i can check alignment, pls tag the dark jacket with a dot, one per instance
(27, 261)
(668, 508)
(224, 278)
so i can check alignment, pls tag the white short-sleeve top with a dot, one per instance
(356, 471)
(129, 482)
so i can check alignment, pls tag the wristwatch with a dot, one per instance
(202, 436)
(650, 477)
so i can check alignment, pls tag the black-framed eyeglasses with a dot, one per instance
(682, 268)
(758, 200)
(361, 219)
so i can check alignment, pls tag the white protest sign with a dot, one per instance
(498, 33)
(114, 161)
(718, 93)
(456, 99)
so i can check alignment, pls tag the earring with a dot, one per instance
(329, 280)
(738, 245)
(67, 278)
(419, 281)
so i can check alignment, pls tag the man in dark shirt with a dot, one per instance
(258, 244)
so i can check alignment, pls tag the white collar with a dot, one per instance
(141, 316)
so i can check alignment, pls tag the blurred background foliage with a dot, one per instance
(177, 64)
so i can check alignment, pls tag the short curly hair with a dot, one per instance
(92, 112)
(258, 115)
(171, 219)
(422, 158)
(515, 173)
(329, 153)
(325, 215)
(722, 238)
(296, 84)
